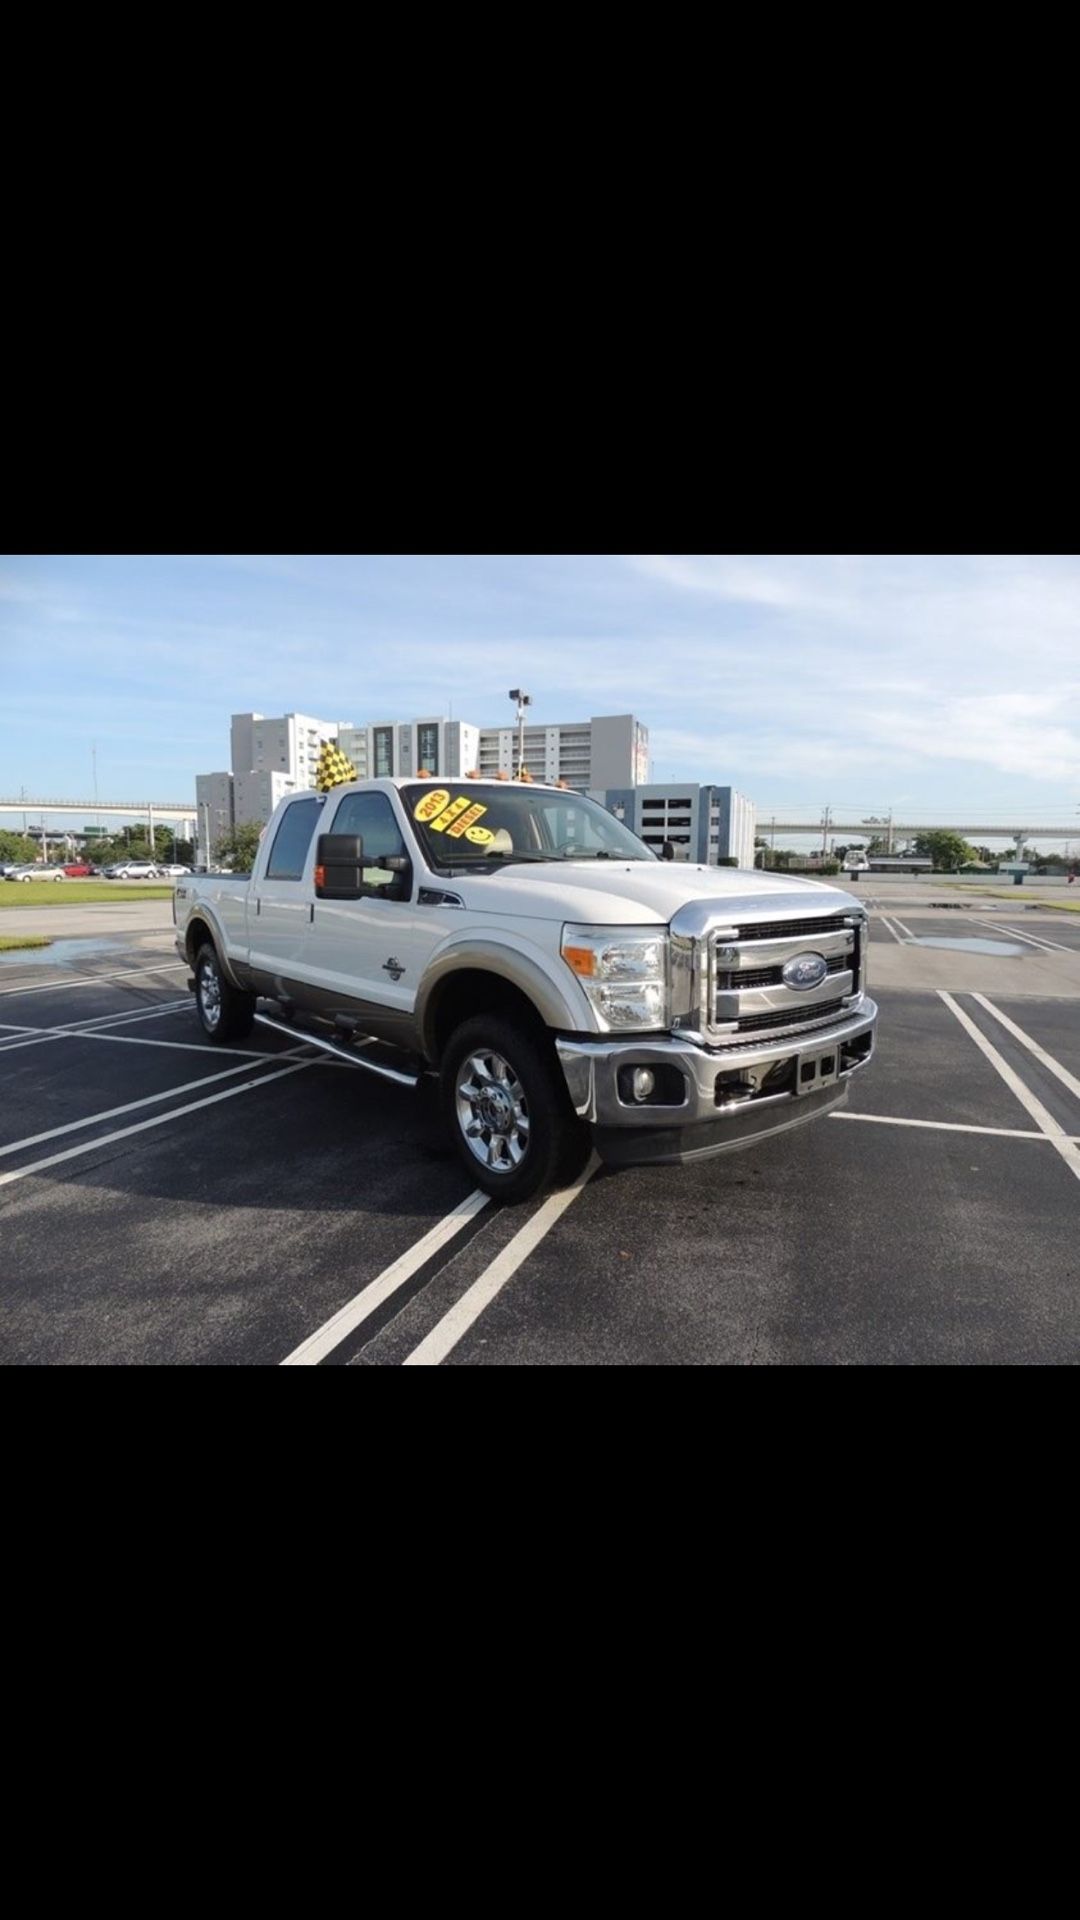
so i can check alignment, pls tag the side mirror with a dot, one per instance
(339, 866)
(667, 851)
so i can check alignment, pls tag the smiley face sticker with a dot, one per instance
(480, 836)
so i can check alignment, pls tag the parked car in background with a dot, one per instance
(133, 870)
(174, 872)
(35, 873)
(79, 870)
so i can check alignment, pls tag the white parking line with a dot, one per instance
(1031, 939)
(175, 1046)
(89, 1029)
(1052, 1066)
(453, 1325)
(334, 1331)
(944, 1126)
(906, 931)
(159, 1120)
(149, 1100)
(888, 925)
(1043, 1119)
(92, 979)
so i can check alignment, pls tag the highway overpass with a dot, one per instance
(89, 809)
(902, 830)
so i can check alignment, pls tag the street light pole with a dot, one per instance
(523, 700)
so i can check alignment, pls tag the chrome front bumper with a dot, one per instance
(714, 1098)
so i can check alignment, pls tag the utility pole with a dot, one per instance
(825, 836)
(888, 836)
(150, 817)
(44, 844)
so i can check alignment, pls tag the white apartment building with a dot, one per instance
(610, 750)
(448, 748)
(274, 756)
(255, 795)
(270, 757)
(289, 744)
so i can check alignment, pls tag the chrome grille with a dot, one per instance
(759, 1022)
(791, 929)
(747, 991)
(768, 976)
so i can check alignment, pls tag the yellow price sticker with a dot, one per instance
(450, 813)
(431, 804)
(466, 821)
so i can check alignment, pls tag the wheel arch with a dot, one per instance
(202, 930)
(482, 979)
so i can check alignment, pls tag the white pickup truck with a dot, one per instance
(568, 988)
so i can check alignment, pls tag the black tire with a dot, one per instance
(224, 1012)
(542, 1143)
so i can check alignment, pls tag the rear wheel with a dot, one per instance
(224, 1012)
(507, 1110)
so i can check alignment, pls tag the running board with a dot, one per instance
(341, 1053)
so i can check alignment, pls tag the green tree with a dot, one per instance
(238, 848)
(946, 849)
(19, 847)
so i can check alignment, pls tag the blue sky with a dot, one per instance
(943, 684)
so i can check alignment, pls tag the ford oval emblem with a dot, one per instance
(805, 971)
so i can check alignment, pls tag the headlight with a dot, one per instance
(624, 971)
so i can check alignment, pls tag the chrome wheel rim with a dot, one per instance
(492, 1111)
(209, 995)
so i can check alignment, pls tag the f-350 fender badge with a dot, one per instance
(393, 967)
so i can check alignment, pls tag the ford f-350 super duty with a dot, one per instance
(568, 988)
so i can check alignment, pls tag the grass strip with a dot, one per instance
(9, 941)
(67, 893)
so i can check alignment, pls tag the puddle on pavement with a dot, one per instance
(58, 954)
(968, 946)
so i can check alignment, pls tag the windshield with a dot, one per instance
(466, 825)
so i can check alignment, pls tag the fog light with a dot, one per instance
(643, 1082)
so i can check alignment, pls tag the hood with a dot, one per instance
(638, 892)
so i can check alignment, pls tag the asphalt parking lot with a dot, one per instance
(164, 1202)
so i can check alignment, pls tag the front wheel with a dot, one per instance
(224, 1012)
(508, 1112)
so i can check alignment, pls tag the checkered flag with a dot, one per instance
(334, 768)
